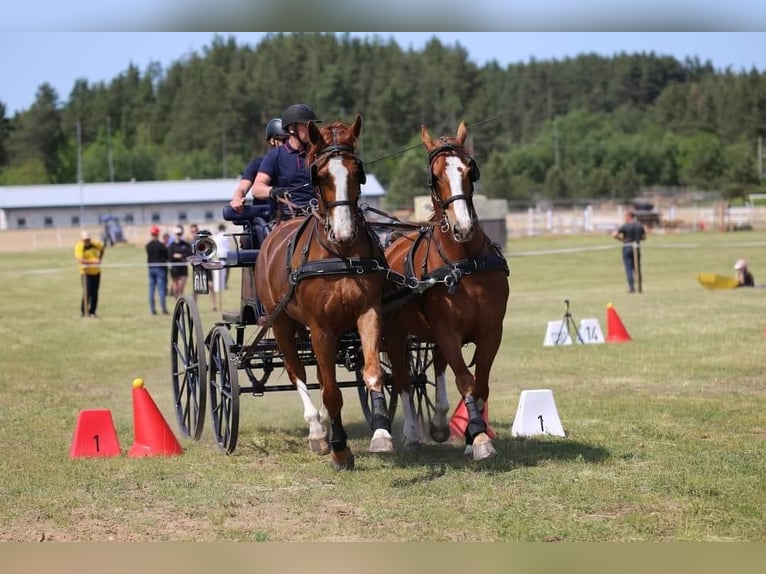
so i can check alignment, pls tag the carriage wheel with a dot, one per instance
(188, 367)
(224, 389)
(423, 390)
(392, 398)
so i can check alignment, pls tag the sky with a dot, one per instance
(29, 59)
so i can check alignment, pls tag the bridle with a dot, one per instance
(335, 150)
(454, 150)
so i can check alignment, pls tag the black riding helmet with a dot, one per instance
(274, 129)
(298, 114)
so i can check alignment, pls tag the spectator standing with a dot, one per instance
(631, 233)
(178, 251)
(89, 253)
(157, 257)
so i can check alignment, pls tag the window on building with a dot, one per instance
(21, 222)
(75, 221)
(48, 221)
(155, 217)
(128, 218)
(208, 216)
(182, 216)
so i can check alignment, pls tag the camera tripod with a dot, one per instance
(568, 323)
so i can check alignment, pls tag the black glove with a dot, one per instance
(276, 192)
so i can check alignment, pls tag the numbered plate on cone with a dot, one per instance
(537, 415)
(557, 334)
(590, 331)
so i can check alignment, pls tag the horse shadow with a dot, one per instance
(434, 458)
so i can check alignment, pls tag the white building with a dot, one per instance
(133, 203)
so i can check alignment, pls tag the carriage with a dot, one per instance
(241, 352)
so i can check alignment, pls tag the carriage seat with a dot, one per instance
(249, 215)
(253, 219)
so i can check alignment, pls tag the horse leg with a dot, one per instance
(341, 457)
(284, 333)
(486, 351)
(478, 444)
(440, 423)
(396, 350)
(369, 327)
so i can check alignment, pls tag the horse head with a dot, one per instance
(451, 175)
(337, 175)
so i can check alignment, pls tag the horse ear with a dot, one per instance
(462, 133)
(314, 135)
(356, 127)
(424, 135)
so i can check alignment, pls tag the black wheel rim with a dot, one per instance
(188, 368)
(224, 390)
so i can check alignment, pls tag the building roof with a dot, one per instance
(133, 193)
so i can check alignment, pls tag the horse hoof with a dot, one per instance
(381, 443)
(439, 434)
(319, 446)
(343, 460)
(482, 448)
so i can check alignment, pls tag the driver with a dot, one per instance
(283, 170)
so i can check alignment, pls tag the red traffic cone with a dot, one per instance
(94, 435)
(459, 421)
(616, 331)
(151, 431)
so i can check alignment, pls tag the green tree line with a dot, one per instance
(588, 127)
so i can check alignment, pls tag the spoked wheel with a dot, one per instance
(224, 389)
(392, 398)
(423, 390)
(188, 367)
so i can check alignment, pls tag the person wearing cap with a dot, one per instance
(157, 257)
(89, 252)
(178, 251)
(283, 172)
(744, 277)
(275, 136)
(631, 234)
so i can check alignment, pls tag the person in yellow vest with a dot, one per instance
(89, 253)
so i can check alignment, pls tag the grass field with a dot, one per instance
(665, 433)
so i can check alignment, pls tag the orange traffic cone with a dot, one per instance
(94, 435)
(616, 331)
(151, 431)
(459, 421)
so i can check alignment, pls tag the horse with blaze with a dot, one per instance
(459, 280)
(325, 272)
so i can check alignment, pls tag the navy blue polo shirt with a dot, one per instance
(287, 168)
(251, 170)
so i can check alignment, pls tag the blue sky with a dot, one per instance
(29, 59)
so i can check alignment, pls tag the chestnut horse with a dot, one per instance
(326, 272)
(459, 283)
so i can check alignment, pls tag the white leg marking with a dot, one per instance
(310, 413)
